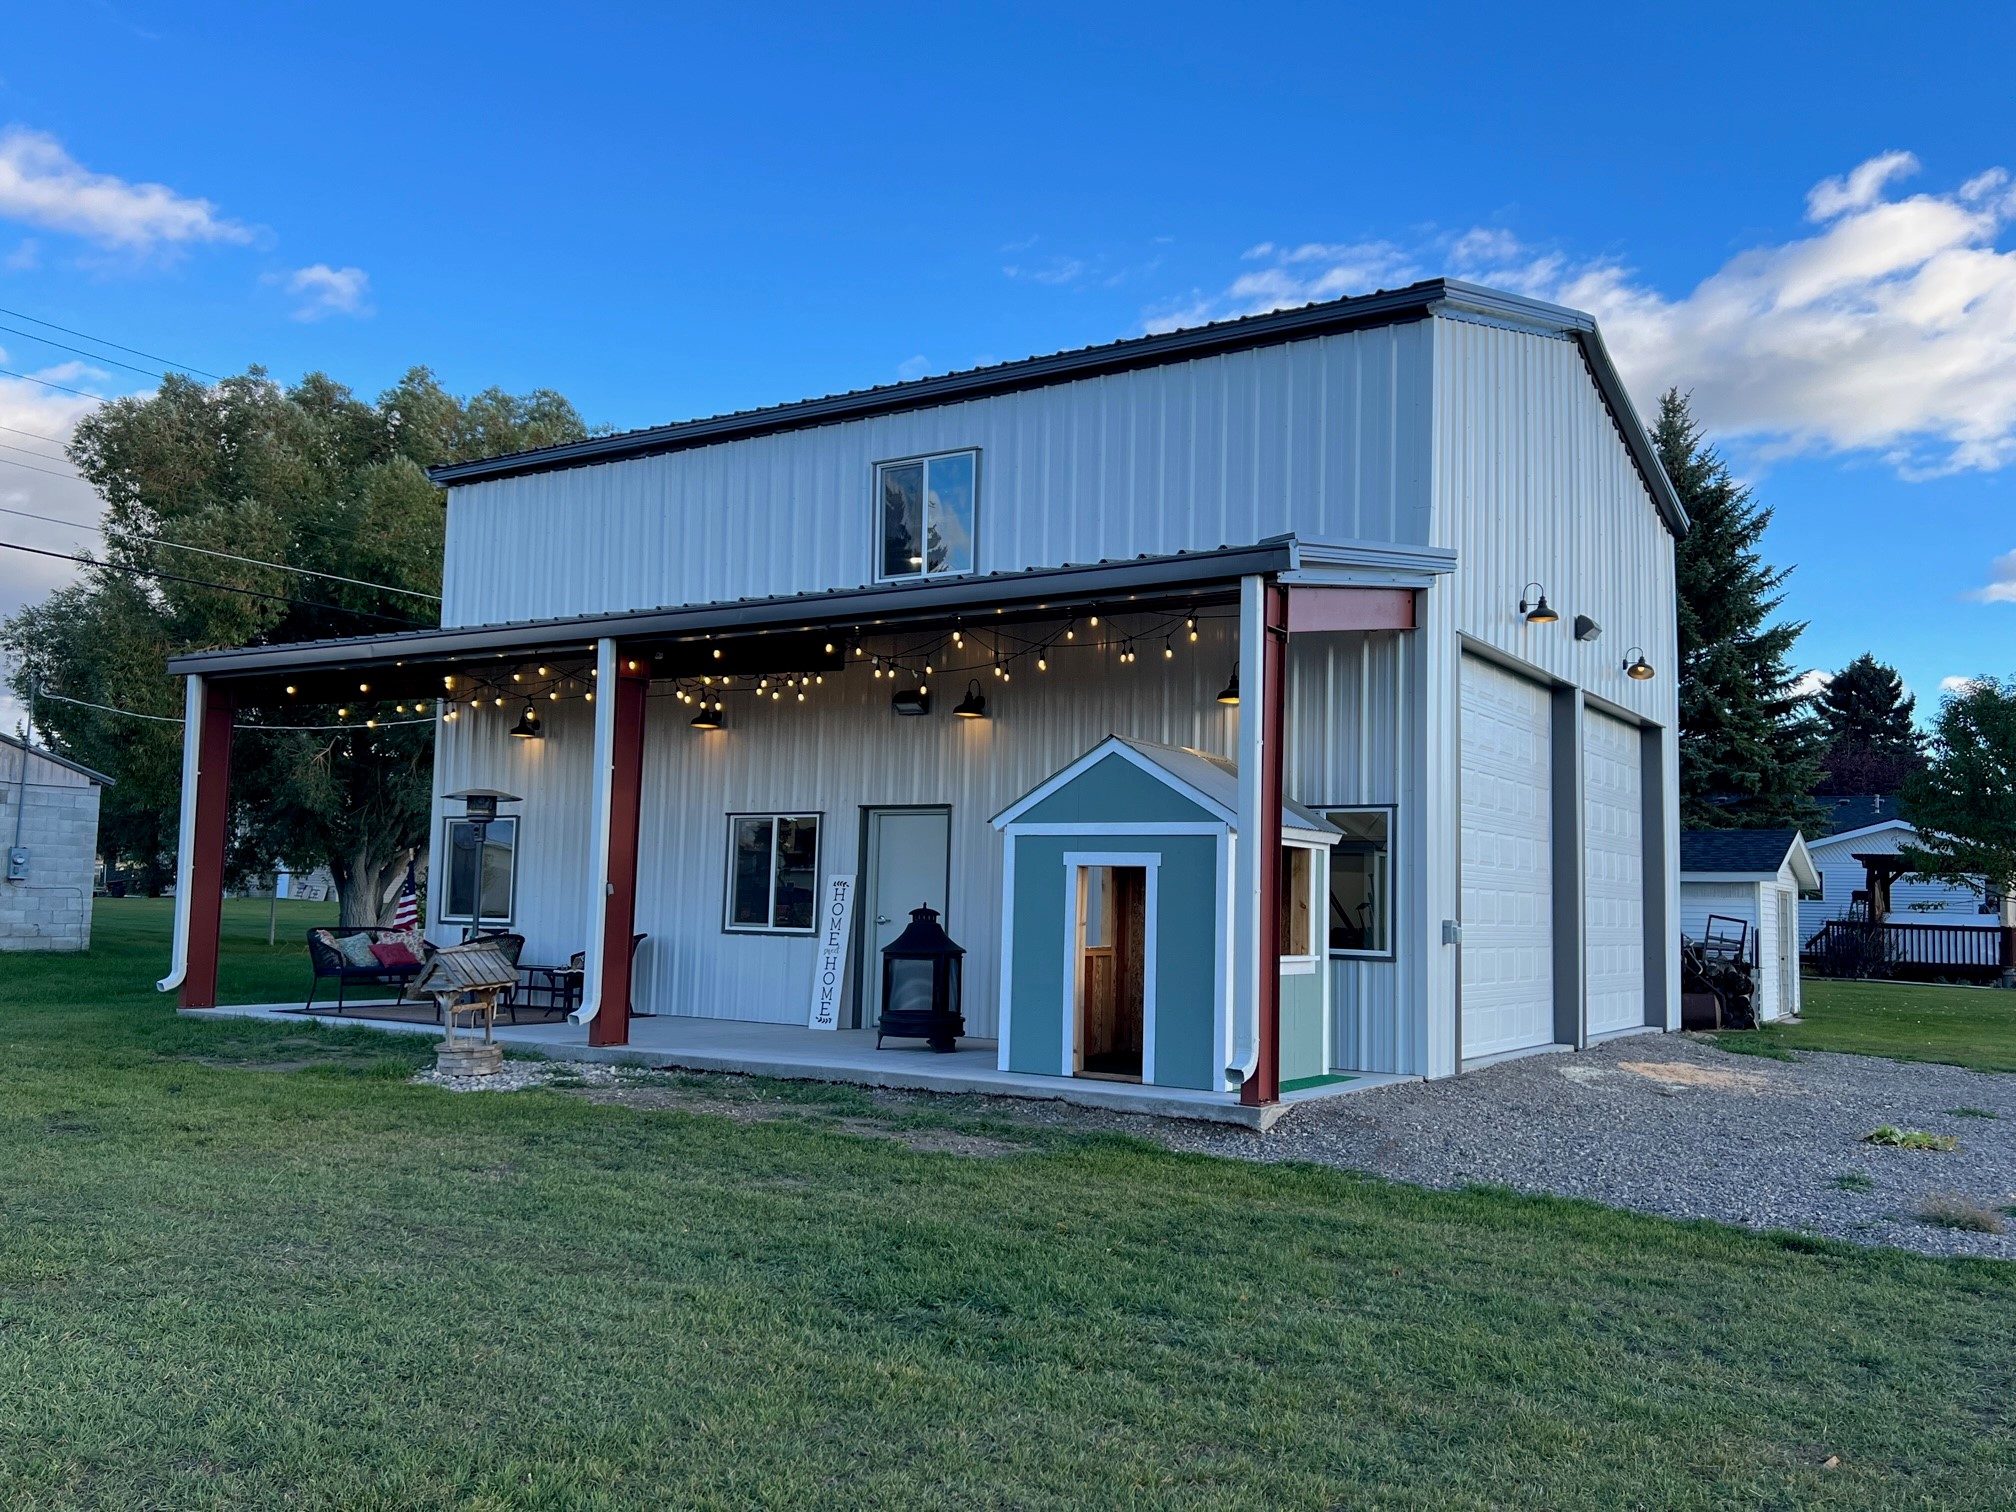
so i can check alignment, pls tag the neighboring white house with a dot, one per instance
(1876, 826)
(1405, 561)
(1757, 877)
(49, 832)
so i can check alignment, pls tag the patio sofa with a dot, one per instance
(326, 957)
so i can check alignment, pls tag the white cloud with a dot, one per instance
(1955, 684)
(2001, 585)
(1887, 330)
(24, 257)
(1057, 271)
(329, 291)
(42, 185)
(913, 367)
(1812, 684)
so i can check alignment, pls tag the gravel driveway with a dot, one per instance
(1670, 1124)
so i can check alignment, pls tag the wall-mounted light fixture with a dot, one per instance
(527, 727)
(1586, 629)
(707, 719)
(972, 706)
(1229, 694)
(1537, 612)
(1636, 667)
(915, 700)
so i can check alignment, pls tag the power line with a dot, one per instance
(32, 435)
(94, 356)
(333, 577)
(171, 577)
(45, 471)
(101, 341)
(376, 724)
(25, 378)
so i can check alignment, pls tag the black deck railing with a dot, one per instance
(1855, 948)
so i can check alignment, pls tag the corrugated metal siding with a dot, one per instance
(1349, 745)
(838, 752)
(1325, 437)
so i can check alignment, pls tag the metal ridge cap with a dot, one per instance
(1380, 307)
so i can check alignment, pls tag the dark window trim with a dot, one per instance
(728, 926)
(448, 823)
(1392, 813)
(875, 516)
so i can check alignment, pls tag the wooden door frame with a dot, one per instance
(863, 943)
(1072, 1055)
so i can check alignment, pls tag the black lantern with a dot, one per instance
(920, 985)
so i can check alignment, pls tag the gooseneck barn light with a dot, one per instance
(1538, 611)
(973, 705)
(1636, 667)
(1229, 694)
(527, 727)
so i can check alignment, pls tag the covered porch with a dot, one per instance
(637, 701)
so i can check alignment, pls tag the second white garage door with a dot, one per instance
(1508, 863)
(1613, 874)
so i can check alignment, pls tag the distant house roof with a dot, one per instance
(1859, 811)
(62, 761)
(1745, 853)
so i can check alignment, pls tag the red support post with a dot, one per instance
(611, 1024)
(1264, 1085)
(206, 859)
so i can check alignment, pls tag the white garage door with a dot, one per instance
(1508, 863)
(1613, 865)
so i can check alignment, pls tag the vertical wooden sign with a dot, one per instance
(836, 921)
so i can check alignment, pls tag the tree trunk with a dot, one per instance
(360, 890)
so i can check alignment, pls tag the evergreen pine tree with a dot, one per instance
(1872, 745)
(1749, 743)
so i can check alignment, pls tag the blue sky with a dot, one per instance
(1801, 216)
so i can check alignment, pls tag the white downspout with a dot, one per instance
(1249, 852)
(598, 847)
(185, 846)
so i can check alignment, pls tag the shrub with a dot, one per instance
(1910, 1139)
(1948, 1211)
(1854, 1181)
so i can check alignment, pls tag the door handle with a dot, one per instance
(882, 919)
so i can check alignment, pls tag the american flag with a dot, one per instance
(407, 915)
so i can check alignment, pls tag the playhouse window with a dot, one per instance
(1297, 902)
(924, 516)
(1361, 892)
(773, 867)
(500, 871)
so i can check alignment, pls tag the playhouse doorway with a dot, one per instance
(1111, 937)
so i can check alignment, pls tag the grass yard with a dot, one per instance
(247, 1265)
(1909, 1021)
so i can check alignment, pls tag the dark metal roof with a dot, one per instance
(63, 761)
(886, 602)
(1712, 850)
(1387, 307)
(1860, 810)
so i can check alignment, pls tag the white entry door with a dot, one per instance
(1613, 874)
(909, 866)
(1508, 862)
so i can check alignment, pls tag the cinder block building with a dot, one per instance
(49, 824)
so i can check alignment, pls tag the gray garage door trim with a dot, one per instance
(1613, 876)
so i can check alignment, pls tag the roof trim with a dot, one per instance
(63, 761)
(1867, 829)
(1417, 301)
(892, 601)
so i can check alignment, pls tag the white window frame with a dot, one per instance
(729, 925)
(1304, 964)
(924, 460)
(1392, 813)
(448, 825)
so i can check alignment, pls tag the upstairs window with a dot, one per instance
(924, 516)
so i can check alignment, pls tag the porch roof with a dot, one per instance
(410, 662)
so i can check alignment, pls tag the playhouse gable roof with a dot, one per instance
(1209, 783)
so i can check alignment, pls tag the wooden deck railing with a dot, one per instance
(1852, 947)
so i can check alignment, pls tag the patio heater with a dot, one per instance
(479, 811)
(920, 985)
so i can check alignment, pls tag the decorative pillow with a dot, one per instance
(327, 940)
(392, 953)
(356, 950)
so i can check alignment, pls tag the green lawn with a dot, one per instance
(1960, 1026)
(244, 1265)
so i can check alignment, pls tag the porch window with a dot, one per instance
(1297, 874)
(500, 871)
(924, 516)
(773, 869)
(1361, 891)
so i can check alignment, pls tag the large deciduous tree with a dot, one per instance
(311, 477)
(1872, 744)
(1749, 744)
(1963, 804)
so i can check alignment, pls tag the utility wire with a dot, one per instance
(25, 378)
(81, 352)
(377, 724)
(101, 341)
(225, 556)
(33, 436)
(171, 577)
(46, 472)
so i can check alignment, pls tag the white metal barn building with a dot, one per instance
(1400, 563)
(1756, 877)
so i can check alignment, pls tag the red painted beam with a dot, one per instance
(1264, 1085)
(611, 1024)
(1350, 609)
(206, 860)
